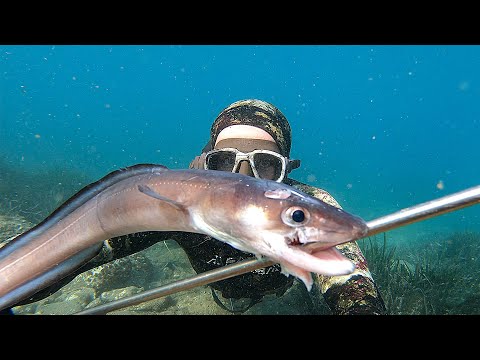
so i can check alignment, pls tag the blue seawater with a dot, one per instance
(380, 127)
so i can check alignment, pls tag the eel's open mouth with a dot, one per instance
(304, 241)
(321, 257)
(300, 239)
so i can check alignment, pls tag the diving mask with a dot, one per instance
(265, 163)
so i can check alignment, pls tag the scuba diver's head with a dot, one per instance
(251, 137)
(259, 114)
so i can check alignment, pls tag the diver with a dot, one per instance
(251, 137)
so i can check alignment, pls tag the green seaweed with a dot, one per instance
(435, 278)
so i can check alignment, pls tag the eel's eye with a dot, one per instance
(295, 216)
(298, 216)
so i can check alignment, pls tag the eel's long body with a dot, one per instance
(258, 216)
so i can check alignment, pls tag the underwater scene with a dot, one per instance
(380, 128)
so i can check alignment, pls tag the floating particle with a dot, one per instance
(440, 185)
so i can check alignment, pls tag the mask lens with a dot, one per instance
(268, 166)
(221, 160)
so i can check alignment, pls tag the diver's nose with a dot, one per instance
(245, 169)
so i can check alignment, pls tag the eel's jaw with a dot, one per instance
(300, 261)
(301, 264)
(299, 254)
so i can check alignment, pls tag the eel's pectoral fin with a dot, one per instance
(150, 192)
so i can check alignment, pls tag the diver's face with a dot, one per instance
(245, 139)
(267, 167)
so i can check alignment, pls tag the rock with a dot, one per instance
(60, 308)
(134, 270)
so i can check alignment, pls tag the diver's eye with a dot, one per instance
(295, 216)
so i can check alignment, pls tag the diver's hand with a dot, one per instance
(198, 162)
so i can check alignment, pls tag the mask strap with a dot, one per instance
(292, 165)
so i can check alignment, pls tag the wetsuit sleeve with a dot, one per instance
(121, 246)
(355, 293)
